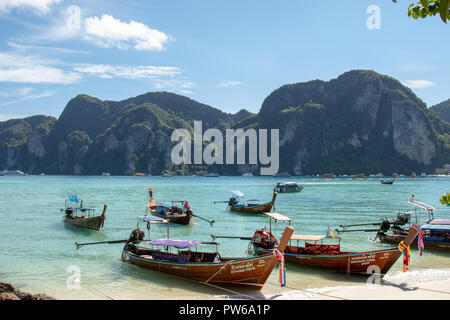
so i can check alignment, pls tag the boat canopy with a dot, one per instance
(277, 216)
(81, 209)
(179, 243)
(420, 205)
(288, 183)
(436, 227)
(304, 237)
(175, 243)
(237, 193)
(440, 221)
(152, 219)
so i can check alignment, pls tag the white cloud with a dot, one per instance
(15, 93)
(108, 31)
(38, 6)
(226, 84)
(127, 72)
(31, 69)
(38, 74)
(23, 94)
(177, 85)
(5, 117)
(24, 47)
(417, 84)
(17, 60)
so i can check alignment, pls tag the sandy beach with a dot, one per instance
(434, 290)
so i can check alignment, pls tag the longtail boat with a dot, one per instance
(79, 216)
(387, 181)
(238, 203)
(170, 210)
(287, 187)
(314, 253)
(359, 175)
(435, 233)
(201, 266)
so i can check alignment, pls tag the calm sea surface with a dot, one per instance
(38, 253)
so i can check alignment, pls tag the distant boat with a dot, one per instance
(11, 173)
(359, 175)
(413, 175)
(42, 174)
(327, 175)
(287, 187)
(238, 203)
(212, 174)
(166, 175)
(395, 175)
(247, 174)
(181, 214)
(106, 174)
(423, 174)
(282, 175)
(387, 181)
(82, 217)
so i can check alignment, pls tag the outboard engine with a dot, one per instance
(263, 238)
(232, 201)
(136, 236)
(403, 218)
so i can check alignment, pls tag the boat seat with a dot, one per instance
(170, 257)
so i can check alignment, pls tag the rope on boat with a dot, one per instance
(215, 274)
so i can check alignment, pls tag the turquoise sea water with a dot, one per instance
(37, 248)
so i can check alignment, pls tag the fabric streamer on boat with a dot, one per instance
(281, 267)
(420, 244)
(73, 198)
(406, 255)
(330, 233)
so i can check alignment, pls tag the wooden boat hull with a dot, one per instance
(93, 223)
(428, 244)
(349, 262)
(179, 219)
(266, 207)
(261, 208)
(249, 273)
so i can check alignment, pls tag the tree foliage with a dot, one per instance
(425, 8)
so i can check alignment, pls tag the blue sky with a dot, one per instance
(228, 54)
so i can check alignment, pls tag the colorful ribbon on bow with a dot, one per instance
(406, 255)
(281, 267)
(420, 244)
